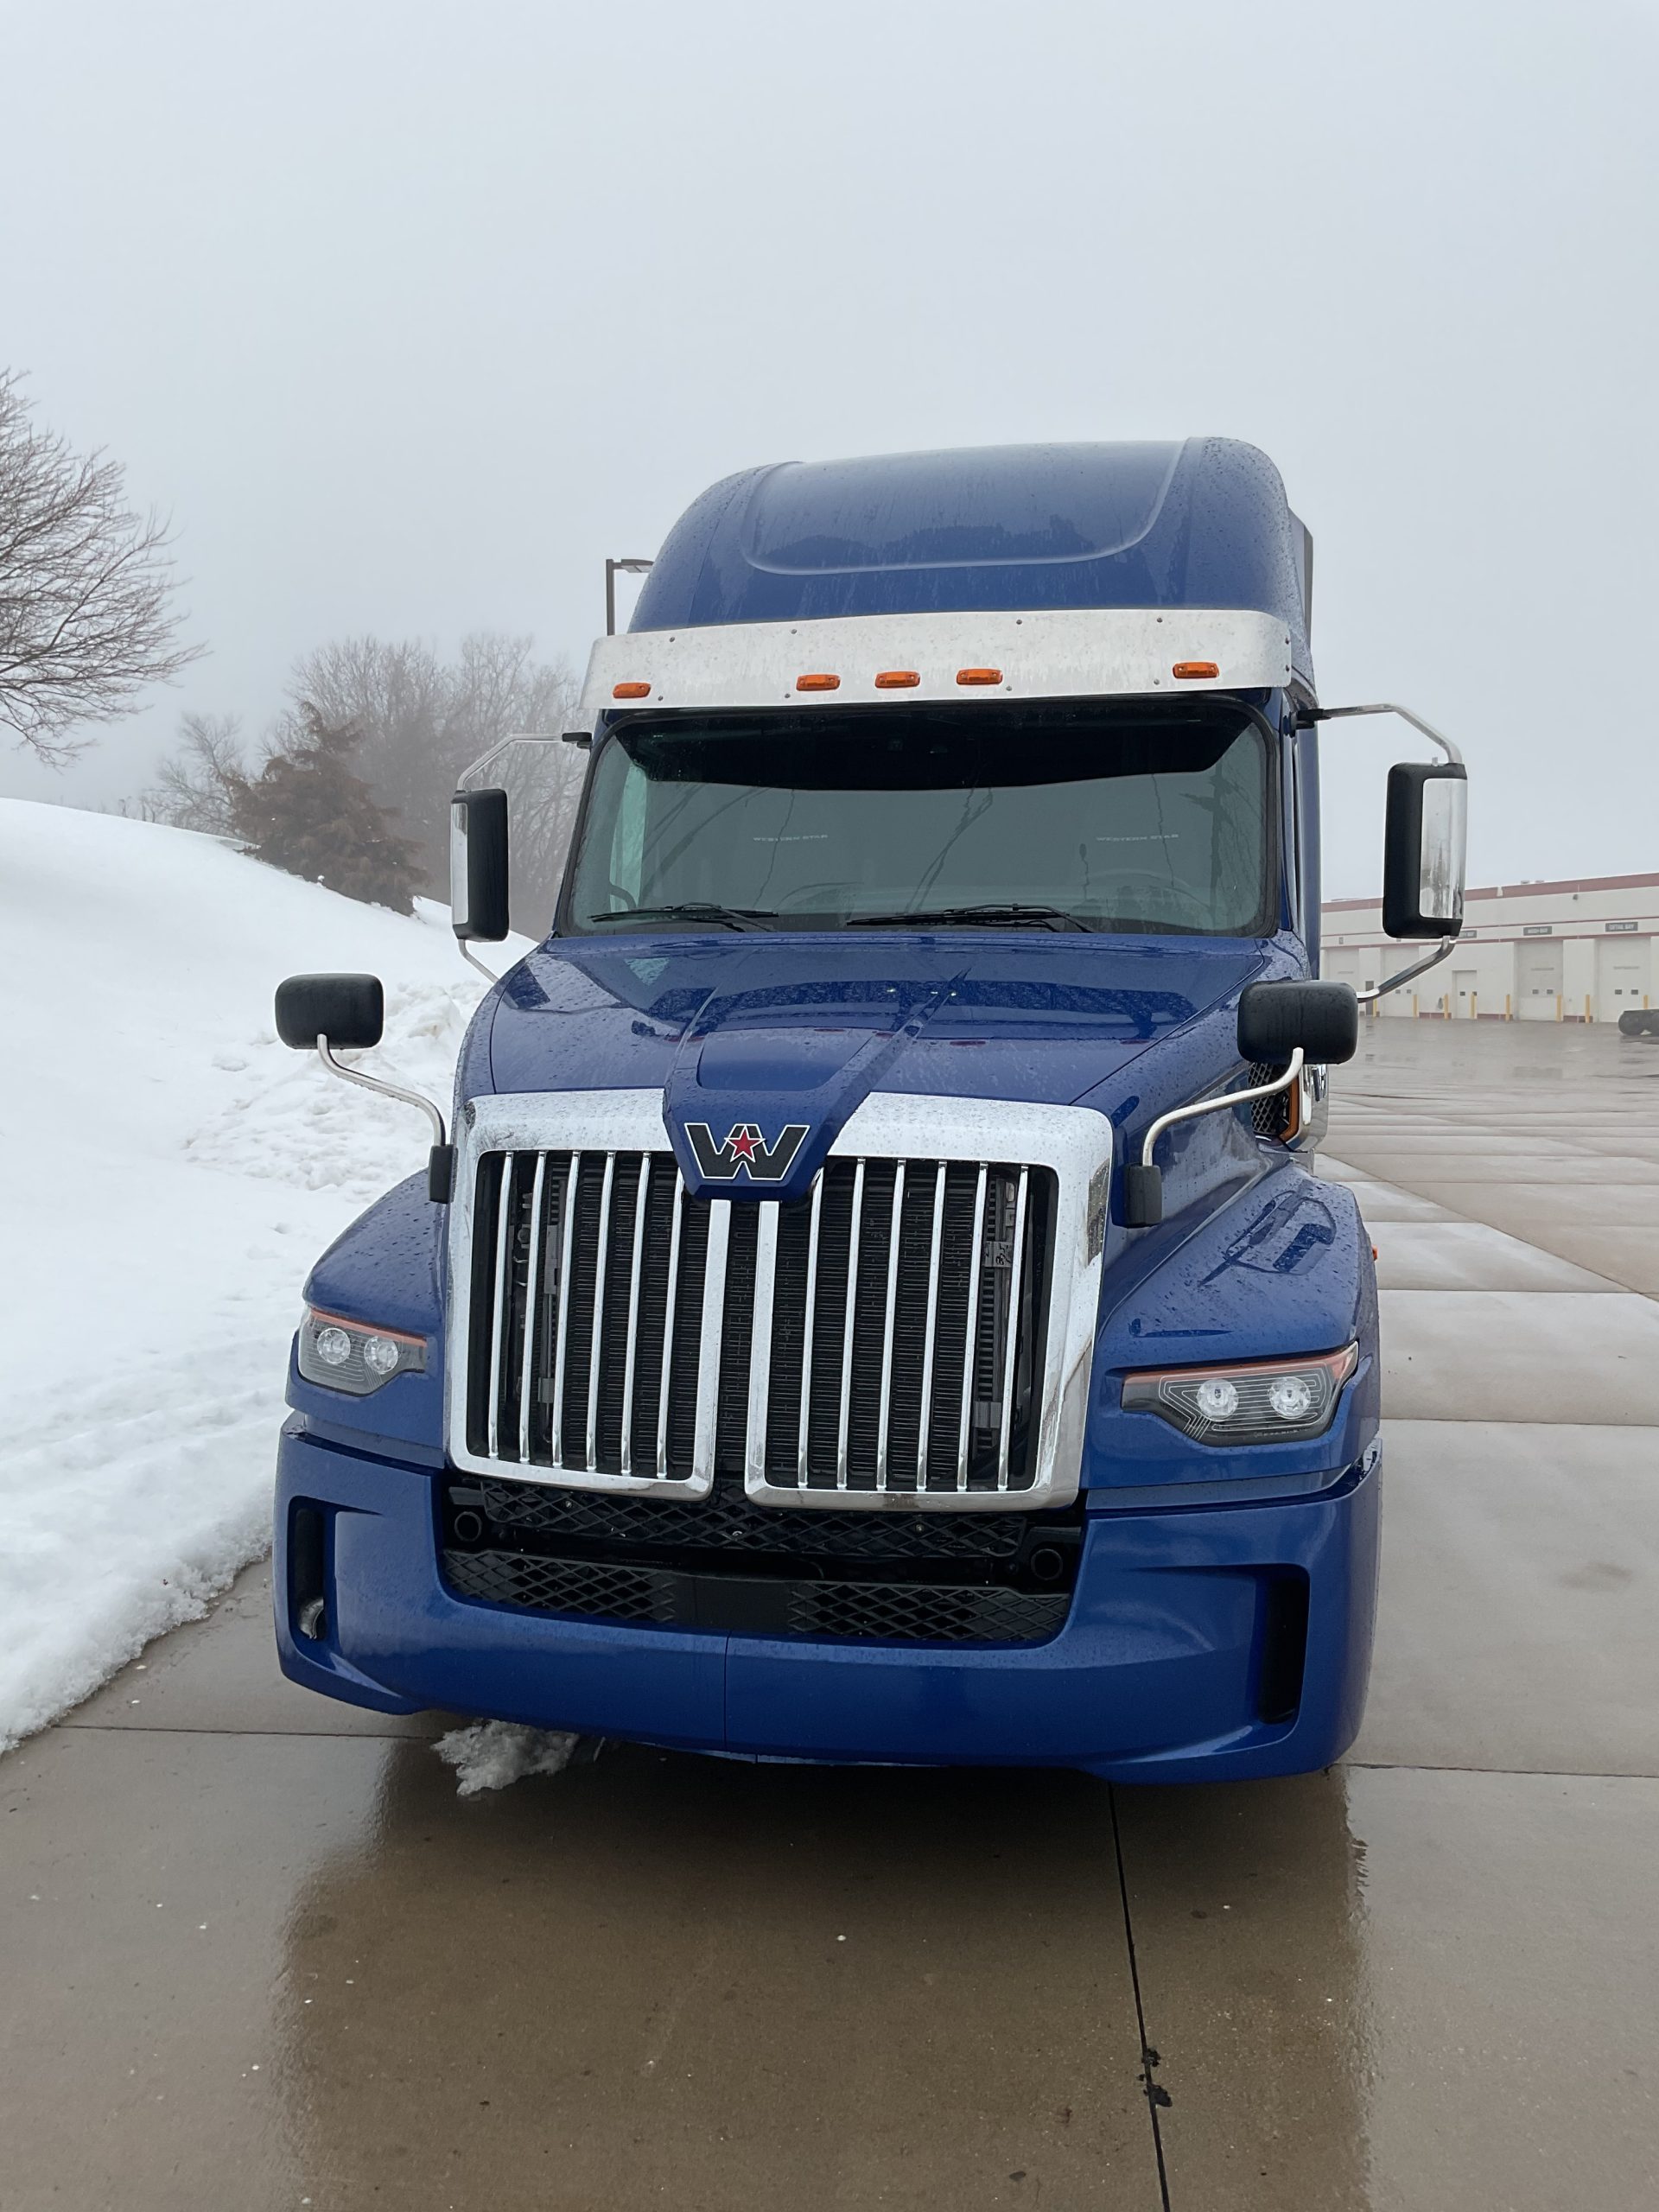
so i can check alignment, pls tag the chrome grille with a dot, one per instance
(586, 1314)
(883, 1334)
(901, 1302)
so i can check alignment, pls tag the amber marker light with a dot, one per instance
(1195, 671)
(979, 676)
(631, 691)
(819, 682)
(897, 679)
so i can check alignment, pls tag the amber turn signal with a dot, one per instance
(1195, 669)
(979, 676)
(897, 679)
(817, 683)
(630, 691)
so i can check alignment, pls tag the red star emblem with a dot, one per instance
(742, 1143)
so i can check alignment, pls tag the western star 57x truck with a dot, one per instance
(874, 1301)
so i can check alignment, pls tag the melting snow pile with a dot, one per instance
(171, 1173)
(495, 1754)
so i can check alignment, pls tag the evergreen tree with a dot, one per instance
(306, 813)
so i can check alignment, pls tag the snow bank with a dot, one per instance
(171, 1173)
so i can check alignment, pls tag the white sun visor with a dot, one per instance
(1047, 653)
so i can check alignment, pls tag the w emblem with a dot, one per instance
(745, 1151)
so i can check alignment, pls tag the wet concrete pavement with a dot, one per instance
(255, 1952)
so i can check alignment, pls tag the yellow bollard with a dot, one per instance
(1508, 1014)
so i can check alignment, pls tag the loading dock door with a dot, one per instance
(1621, 977)
(1539, 970)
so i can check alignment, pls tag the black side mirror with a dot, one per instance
(348, 1014)
(350, 1011)
(1273, 1019)
(478, 866)
(1423, 848)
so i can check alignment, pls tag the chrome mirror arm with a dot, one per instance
(325, 1054)
(1309, 715)
(1417, 968)
(1214, 1105)
(1143, 1183)
(472, 961)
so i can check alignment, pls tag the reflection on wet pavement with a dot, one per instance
(649, 1979)
(1385, 1992)
(255, 1952)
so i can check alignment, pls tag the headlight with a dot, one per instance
(1268, 1401)
(353, 1356)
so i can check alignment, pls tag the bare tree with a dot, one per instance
(424, 721)
(85, 588)
(195, 788)
(419, 724)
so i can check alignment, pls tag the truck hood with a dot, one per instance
(783, 1039)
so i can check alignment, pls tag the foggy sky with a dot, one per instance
(411, 313)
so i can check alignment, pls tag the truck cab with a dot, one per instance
(873, 1299)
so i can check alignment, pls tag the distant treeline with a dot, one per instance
(350, 785)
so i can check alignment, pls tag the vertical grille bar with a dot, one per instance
(668, 1322)
(532, 1280)
(498, 1347)
(601, 1253)
(975, 1262)
(930, 1325)
(844, 1404)
(1011, 1340)
(626, 1460)
(765, 1278)
(890, 1317)
(806, 1333)
(709, 1342)
(567, 1234)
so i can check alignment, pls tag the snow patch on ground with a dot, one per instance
(495, 1754)
(173, 1171)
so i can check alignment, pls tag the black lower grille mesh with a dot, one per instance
(559, 1586)
(881, 1613)
(729, 1522)
(905, 1612)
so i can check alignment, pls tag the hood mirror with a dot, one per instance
(1282, 1024)
(1321, 1020)
(329, 1014)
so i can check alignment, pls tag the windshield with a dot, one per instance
(1132, 819)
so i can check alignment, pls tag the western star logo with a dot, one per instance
(745, 1151)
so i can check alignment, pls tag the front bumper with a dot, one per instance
(1176, 1660)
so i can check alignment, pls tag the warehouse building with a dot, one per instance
(1582, 951)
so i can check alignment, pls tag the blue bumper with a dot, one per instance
(1167, 1668)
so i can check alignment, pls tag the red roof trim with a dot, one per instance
(1516, 890)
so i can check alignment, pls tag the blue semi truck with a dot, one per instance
(872, 1299)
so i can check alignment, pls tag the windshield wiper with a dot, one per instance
(989, 916)
(695, 910)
